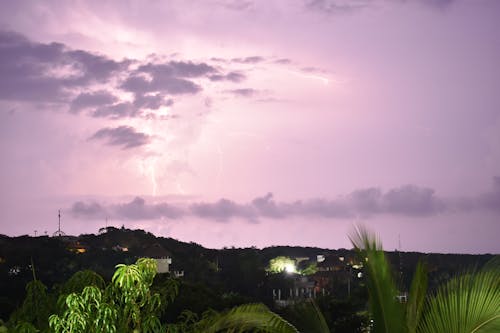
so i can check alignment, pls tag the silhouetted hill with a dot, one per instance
(239, 272)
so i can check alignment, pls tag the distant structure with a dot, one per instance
(162, 257)
(59, 232)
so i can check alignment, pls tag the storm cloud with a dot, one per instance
(406, 200)
(53, 73)
(125, 136)
(37, 72)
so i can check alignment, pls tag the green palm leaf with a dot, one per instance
(387, 312)
(307, 317)
(416, 298)
(248, 318)
(469, 303)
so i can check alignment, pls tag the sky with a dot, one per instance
(254, 123)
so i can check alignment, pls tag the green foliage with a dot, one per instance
(416, 298)
(307, 317)
(281, 264)
(85, 312)
(467, 303)
(387, 312)
(35, 309)
(82, 279)
(244, 318)
(310, 269)
(127, 304)
(138, 307)
(24, 327)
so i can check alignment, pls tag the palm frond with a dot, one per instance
(416, 298)
(469, 303)
(249, 318)
(307, 317)
(387, 312)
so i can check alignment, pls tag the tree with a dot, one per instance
(129, 304)
(126, 304)
(468, 303)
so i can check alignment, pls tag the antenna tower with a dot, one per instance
(59, 232)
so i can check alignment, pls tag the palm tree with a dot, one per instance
(130, 304)
(468, 303)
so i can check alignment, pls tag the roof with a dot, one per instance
(156, 251)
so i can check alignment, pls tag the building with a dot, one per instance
(162, 257)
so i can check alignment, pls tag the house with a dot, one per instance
(162, 257)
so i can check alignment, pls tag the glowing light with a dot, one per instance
(290, 268)
(282, 264)
(323, 79)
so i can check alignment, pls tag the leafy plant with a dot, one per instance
(468, 303)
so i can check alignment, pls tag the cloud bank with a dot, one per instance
(406, 200)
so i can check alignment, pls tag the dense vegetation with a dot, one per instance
(44, 278)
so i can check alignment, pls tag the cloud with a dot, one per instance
(438, 4)
(411, 200)
(91, 210)
(124, 136)
(222, 210)
(37, 72)
(53, 73)
(283, 61)
(171, 77)
(115, 111)
(248, 60)
(244, 92)
(231, 76)
(337, 6)
(238, 5)
(137, 209)
(153, 102)
(406, 200)
(159, 83)
(92, 99)
(332, 7)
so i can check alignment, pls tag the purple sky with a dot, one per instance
(254, 122)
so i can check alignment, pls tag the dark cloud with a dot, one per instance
(248, 60)
(311, 69)
(23, 67)
(222, 210)
(91, 210)
(411, 200)
(283, 61)
(351, 6)
(153, 102)
(37, 72)
(231, 76)
(337, 6)
(407, 200)
(94, 67)
(137, 209)
(160, 83)
(92, 99)
(237, 5)
(266, 206)
(53, 73)
(171, 78)
(116, 111)
(437, 4)
(245, 92)
(124, 136)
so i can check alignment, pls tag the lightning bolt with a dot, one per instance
(323, 79)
